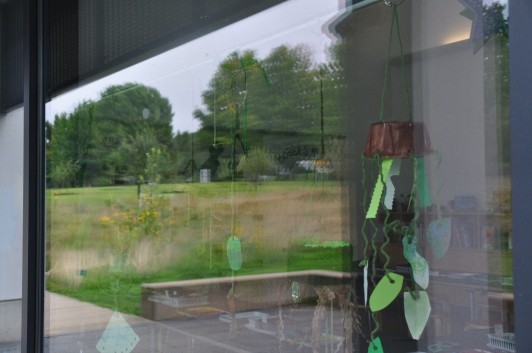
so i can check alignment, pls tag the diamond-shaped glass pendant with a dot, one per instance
(118, 336)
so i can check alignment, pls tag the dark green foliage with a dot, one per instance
(276, 104)
(106, 142)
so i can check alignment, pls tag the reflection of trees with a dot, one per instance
(107, 141)
(279, 105)
(282, 115)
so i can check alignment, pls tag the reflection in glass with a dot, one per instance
(215, 197)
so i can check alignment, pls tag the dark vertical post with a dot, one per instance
(520, 17)
(33, 256)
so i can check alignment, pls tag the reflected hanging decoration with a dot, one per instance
(234, 253)
(118, 336)
(388, 143)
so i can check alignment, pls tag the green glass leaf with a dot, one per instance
(409, 248)
(417, 312)
(386, 164)
(420, 269)
(375, 346)
(234, 253)
(390, 188)
(422, 183)
(386, 291)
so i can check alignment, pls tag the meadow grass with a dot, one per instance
(104, 242)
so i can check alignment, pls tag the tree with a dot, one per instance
(63, 173)
(258, 164)
(70, 142)
(131, 119)
(282, 116)
(109, 139)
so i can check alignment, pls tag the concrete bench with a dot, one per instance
(199, 297)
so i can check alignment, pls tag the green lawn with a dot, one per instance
(103, 242)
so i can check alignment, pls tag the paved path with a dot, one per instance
(66, 315)
(75, 326)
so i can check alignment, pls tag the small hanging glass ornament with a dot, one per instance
(234, 253)
(375, 346)
(118, 336)
(386, 291)
(417, 312)
(420, 270)
(409, 248)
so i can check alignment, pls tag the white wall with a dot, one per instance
(449, 97)
(11, 197)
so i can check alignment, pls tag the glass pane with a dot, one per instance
(238, 192)
(11, 175)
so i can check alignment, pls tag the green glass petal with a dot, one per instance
(386, 291)
(390, 188)
(420, 270)
(409, 248)
(417, 312)
(234, 253)
(379, 187)
(422, 183)
(375, 346)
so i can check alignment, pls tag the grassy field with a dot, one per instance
(104, 242)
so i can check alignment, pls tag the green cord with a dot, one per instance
(377, 327)
(322, 122)
(374, 234)
(386, 69)
(214, 116)
(365, 205)
(245, 112)
(412, 199)
(395, 23)
(373, 241)
(385, 226)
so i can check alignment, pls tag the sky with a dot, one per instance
(181, 74)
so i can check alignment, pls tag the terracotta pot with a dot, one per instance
(398, 139)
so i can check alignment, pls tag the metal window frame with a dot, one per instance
(520, 15)
(33, 203)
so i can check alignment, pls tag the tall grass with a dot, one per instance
(98, 235)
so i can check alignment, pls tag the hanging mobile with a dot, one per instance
(389, 142)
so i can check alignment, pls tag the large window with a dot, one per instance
(295, 176)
